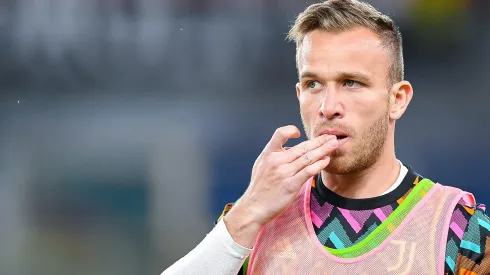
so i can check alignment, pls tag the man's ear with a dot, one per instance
(298, 90)
(400, 96)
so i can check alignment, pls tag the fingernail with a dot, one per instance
(333, 143)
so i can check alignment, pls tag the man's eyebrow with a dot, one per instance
(354, 76)
(308, 74)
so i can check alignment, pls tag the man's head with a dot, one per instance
(350, 66)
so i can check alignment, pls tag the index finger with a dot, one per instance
(307, 146)
(280, 137)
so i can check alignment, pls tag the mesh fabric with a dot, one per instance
(410, 241)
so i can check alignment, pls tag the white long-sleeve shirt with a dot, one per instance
(217, 254)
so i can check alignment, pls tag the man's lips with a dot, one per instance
(342, 137)
(339, 134)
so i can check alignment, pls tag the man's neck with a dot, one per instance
(369, 183)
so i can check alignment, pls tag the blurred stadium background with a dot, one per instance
(126, 125)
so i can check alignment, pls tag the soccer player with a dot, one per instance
(341, 202)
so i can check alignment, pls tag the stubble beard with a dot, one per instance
(364, 150)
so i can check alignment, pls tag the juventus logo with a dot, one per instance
(399, 267)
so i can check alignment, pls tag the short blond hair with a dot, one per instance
(343, 15)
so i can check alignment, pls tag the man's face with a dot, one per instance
(343, 91)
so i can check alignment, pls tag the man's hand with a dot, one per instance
(277, 177)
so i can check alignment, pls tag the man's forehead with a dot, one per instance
(359, 46)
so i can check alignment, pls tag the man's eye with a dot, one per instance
(352, 84)
(312, 84)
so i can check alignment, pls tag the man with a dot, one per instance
(341, 202)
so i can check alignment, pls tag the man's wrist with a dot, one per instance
(242, 227)
(233, 248)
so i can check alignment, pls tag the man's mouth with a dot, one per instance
(339, 134)
(340, 137)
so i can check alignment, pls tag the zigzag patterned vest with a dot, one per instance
(412, 240)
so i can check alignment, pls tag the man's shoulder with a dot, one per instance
(468, 243)
(467, 203)
(468, 199)
(474, 243)
(472, 211)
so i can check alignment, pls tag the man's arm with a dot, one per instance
(244, 269)
(277, 176)
(474, 249)
(216, 254)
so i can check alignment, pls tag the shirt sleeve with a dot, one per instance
(217, 254)
(473, 255)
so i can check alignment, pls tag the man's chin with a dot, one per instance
(334, 171)
(334, 167)
(339, 165)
